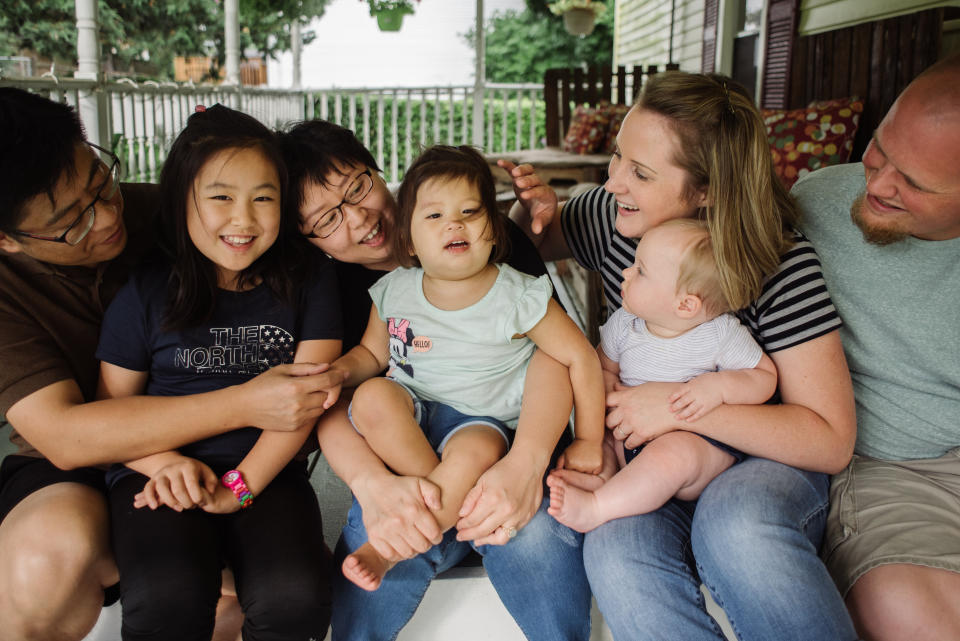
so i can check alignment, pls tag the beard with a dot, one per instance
(874, 234)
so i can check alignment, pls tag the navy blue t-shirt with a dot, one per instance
(248, 333)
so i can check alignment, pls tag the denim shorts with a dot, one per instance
(630, 454)
(884, 512)
(440, 422)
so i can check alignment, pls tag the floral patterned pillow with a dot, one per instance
(587, 131)
(803, 140)
(617, 114)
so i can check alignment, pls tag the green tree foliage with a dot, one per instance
(148, 34)
(521, 45)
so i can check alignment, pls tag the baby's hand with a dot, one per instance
(697, 397)
(222, 501)
(583, 456)
(181, 485)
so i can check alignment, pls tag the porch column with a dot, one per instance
(231, 39)
(479, 77)
(91, 104)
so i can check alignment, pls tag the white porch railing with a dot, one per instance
(143, 119)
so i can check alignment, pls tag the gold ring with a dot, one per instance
(511, 532)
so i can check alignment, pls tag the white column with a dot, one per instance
(480, 77)
(295, 48)
(231, 20)
(91, 104)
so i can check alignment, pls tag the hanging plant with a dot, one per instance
(579, 16)
(389, 13)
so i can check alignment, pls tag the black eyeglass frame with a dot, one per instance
(339, 208)
(114, 173)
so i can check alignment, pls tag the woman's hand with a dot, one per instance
(503, 500)
(397, 516)
(538, 198)
(181, 485)
(639, 414)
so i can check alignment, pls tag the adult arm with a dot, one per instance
(395, 514)
(814, 427)
(510, 492)
(71, 433)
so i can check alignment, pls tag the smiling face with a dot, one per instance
(644, 176)
(364, 237)
(74, 191)
(233, 210)
(450, 229)
(913, 180)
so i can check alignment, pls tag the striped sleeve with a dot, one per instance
(794, 306)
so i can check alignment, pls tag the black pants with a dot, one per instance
(170, 564)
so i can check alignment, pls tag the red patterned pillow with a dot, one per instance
(617, 114)
(587, 130)
(803, 140)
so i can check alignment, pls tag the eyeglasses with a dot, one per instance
(330, 220)
(82, 224)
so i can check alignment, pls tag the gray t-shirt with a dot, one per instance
(900, 306)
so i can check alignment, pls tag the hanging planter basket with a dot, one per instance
(391, 19)
(579, 22)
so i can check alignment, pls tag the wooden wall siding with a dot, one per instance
(874, 60)
(711, 14)
(643, 33)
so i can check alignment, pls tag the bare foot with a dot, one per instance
(582, 480)
(365, 567)
(575, 508)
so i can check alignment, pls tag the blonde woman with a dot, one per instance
(694, 146)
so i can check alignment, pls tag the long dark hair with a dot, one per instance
(193, 277)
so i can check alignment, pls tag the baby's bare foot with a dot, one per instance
(572, 506)
(365, 567)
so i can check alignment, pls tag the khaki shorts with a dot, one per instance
(884, 512)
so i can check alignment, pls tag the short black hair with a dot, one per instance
(311, 147)
(449, 163)
(37, 148)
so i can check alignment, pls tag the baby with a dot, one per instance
(673, 327)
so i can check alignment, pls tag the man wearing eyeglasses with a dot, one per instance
(67, 242)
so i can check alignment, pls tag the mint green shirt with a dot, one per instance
(900, 306)
(467, 358)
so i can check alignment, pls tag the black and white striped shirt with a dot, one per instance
(793, 307)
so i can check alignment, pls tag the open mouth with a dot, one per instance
(457, 245)
(238, 241)
(627, 208)
(372, 235)
(881, 205)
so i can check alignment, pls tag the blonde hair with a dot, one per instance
(724, 150)
(697, 271)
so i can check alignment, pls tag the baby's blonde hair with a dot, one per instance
(697, 272)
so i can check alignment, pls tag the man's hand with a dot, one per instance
(286, 396)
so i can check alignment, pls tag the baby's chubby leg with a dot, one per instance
(677, 464)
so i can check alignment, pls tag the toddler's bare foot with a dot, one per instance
(572, 506)
(582, 480)
(365, 567)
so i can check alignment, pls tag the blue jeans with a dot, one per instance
(752, 538)
(538, 575)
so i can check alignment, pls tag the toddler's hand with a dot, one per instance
(583, 456)
(697, 397)
(222, 501)
(181, 485)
